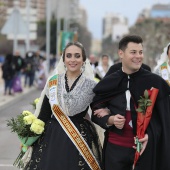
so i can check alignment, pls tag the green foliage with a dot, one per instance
(18, 126)
(144, 102)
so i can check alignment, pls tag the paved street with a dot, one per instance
(9, 143)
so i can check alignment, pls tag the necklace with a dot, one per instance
(72, 83)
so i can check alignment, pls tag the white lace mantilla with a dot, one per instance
(78, 99)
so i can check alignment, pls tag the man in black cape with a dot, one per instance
(120, 92)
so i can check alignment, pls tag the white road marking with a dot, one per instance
(6, 165)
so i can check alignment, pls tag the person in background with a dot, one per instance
(53, 61)
(42, 74)
(30, 68)
(103, 66)
(94, 63)
(19, 65)
(70, 141)
(120, 93)
(37, 59)
(8, 73)
(163, 65)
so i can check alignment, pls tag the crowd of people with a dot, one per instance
(70, 140)
(31, 69)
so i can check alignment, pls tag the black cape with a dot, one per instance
(157, 153)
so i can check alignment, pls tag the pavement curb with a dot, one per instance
(4, 100)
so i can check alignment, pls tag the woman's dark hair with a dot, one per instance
(127, 39)
(168, 49)
(105, 55)
(78, 44)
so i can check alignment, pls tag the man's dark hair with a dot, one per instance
(127, 39)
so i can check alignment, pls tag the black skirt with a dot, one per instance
(55, 151)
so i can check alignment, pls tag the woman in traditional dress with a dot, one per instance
(103, 66)
(163, 66)
(70, 141)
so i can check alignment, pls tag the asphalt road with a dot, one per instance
(9, 143)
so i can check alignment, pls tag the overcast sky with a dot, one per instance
(96, 9)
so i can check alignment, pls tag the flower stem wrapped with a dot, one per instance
(144, 114)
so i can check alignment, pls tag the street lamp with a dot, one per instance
(28, 23)
(48, 33)
(58, 25)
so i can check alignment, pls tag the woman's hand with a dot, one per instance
(102, 112)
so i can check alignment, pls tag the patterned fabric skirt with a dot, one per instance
(55, 151)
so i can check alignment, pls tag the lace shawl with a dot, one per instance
(76, 100)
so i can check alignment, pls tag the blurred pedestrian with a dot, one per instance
(103, 66)
(42, 74)
(18, 63)
(30, 68)
(120, 92)
(163, 65)
(37, 61)
(53, 61)
(8, 73)
(94, 63)
(19, 66)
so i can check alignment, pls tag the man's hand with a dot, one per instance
(144, 142)
(117, 120)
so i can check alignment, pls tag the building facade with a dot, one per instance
(158, 11)
(38, 5)
(114, 25)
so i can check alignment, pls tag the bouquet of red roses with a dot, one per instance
(144, 113)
